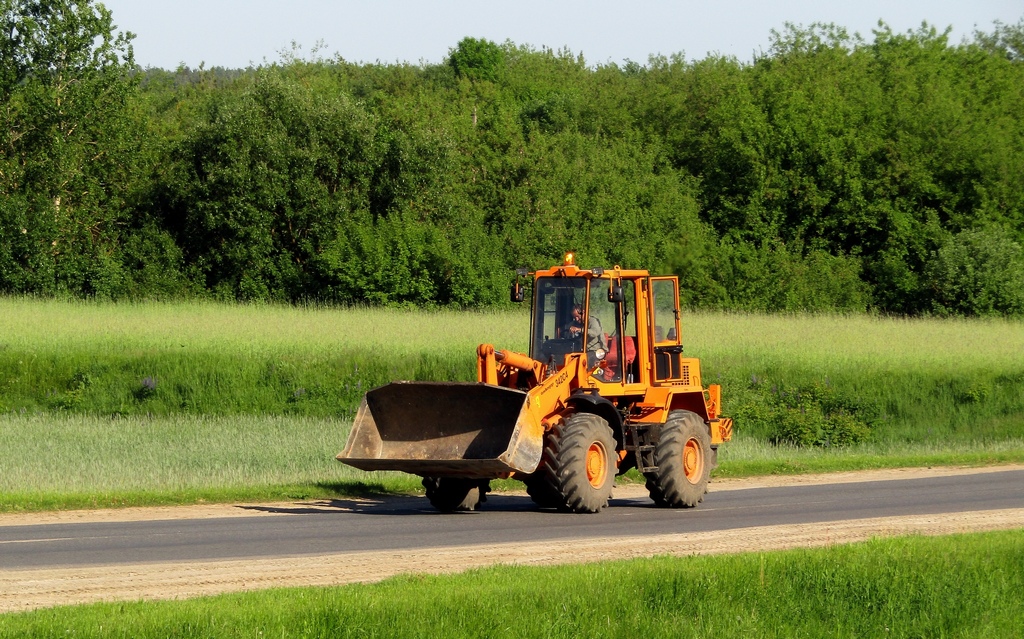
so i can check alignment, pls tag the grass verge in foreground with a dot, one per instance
(958, 586)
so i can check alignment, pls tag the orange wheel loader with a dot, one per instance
(605, 388)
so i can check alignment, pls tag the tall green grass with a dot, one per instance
(84, 461)
(75, 461)
(960, 586)
(909, 380)
(748, 456)
(156, 358)
(132, 403)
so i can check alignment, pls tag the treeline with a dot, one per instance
(831, 172)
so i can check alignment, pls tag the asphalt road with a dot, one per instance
(406, 523)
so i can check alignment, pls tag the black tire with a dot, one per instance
(449, 494)
(579, 460)
(542, 490)
(683, 457)
(543, 486)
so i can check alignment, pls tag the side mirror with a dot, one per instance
(517, 294)
(615, 295)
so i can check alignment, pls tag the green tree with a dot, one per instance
(977, 272)
(477, 59)
(266, 183)
(1006, 40)
(69, 147)
(830, 172)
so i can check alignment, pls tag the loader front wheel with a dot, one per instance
(584, 458)
(449, 494)
(683, 457)
(542, 490)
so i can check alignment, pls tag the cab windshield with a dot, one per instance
(553, 321)
(573, 315)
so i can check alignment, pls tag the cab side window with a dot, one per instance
(668, 350)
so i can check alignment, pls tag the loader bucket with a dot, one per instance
(445, 429)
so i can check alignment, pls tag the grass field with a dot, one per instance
(959, 586)
(161, 403)
(78, 461)
(133, 404)
(214, 359)
(83, 461)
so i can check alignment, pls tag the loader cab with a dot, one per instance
(553, 336)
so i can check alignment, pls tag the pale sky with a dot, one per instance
(235, 34)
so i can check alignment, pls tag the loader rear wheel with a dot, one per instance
(584, 453)
(683, 457)
(449, 494)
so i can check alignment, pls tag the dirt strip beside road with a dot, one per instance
(29, 589)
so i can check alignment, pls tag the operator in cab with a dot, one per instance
(597, 341)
